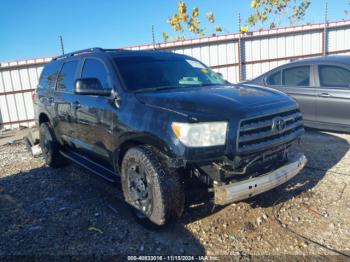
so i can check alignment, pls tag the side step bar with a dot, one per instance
(90, 165)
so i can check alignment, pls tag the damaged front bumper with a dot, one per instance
(228, 193)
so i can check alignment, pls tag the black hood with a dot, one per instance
(221, 101)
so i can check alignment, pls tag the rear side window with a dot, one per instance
(48, 76)
(334, 76)
(297, 76)
(66, 77)
(95, 69)
(274, 79)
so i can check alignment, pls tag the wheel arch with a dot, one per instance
(138, 140)
(43, 118)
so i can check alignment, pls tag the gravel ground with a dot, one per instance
(69, 211)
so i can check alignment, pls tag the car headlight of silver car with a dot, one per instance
(201, 134)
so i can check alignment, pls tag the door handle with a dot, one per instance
(324, 95)
(76, 105)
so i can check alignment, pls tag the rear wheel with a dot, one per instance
(154, 191)
(50, 146)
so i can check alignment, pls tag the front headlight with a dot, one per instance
(201, 134)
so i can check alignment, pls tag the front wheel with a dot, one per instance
(154, 191)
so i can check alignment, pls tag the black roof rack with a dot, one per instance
(115, 49)
(94, 49)
(88, 50)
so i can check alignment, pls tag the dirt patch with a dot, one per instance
(69, 211)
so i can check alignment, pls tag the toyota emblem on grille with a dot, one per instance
(278, 125)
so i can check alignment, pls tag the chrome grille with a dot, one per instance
(259, 133)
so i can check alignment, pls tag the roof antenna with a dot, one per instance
(62, 47)
(153, 38)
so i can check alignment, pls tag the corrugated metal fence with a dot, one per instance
(237, 57)
(18, 80)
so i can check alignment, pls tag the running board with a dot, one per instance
(90, 165)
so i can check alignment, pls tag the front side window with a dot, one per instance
(297, 76)
(145, 72)
(49, 75)
(334, 76)
(66, 77)
(95, 69)
(274, 79)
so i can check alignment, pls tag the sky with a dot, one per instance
(31, 28)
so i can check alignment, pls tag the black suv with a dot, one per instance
(156, 120)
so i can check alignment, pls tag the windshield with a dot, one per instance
(143, 73)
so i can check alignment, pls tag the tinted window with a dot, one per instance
(49, 75)
(66, 77)
(297, 76)
(334, 76)
(274, 79)
(95, 69)
(164, 71)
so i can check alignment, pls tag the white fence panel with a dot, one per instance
(338, 39)
(17, 83)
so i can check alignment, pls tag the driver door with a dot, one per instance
(94, 115)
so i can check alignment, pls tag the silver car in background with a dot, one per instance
(321, 86)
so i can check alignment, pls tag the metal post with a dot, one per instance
(62, 47)
(153, 38)
(325, 33)
(240, 64)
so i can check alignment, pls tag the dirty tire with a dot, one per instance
(50, 146)
(163, 186)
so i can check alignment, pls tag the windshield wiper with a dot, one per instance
(150, 89)
(212, 84)
(202, 85)
(158, 88)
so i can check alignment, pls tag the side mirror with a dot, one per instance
(222, 77)
(90, 86)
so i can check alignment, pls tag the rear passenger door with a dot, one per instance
(297, 82)
(46, 87)
(333, 95)
(64, 99)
